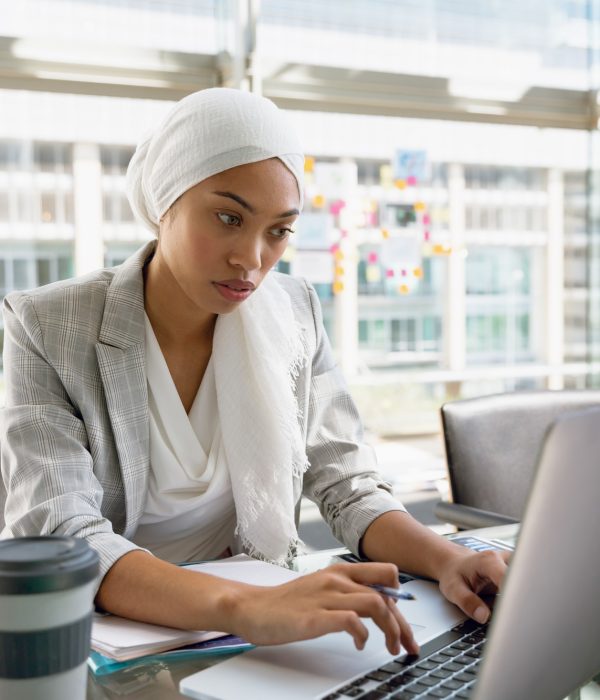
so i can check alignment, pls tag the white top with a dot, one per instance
(190, 512)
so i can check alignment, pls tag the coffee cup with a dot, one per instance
(47, 589)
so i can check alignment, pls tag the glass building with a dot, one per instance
(452, 222)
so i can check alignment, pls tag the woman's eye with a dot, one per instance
(281, 232)
(229, 219)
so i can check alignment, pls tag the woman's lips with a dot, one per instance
(235, 290)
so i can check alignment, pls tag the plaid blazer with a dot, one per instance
(75, 435)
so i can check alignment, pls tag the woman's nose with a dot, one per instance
(247, 252)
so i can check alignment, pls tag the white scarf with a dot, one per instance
(204, 134)
(258, 352)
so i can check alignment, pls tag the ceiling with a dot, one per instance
(98, 69)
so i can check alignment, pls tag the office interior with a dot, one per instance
(452, 218)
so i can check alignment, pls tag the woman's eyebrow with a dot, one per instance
(243, 203)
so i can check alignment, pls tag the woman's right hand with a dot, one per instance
(331, 600)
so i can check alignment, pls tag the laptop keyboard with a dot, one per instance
(445, 668)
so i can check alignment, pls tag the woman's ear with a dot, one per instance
(169, 216)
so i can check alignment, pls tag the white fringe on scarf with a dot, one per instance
(258, 353)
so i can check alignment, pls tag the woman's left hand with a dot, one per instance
(469, 575)
(463, 575)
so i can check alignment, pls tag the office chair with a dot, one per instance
(492, 447)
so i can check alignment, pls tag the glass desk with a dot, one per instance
(159, 680)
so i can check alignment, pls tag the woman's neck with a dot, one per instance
(175, 320)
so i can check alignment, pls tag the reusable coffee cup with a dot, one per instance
(46, 597)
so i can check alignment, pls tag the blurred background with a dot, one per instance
(452, 220)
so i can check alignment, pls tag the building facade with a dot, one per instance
(446, 252)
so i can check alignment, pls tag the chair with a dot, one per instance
(492, 448)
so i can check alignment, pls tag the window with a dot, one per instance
(115, 208)
(403, 335)
(48, 201)
(51, 157)
(10, 155)
(65, 268)
(4, 207)
(21, 274)
(43, 270)
(115, 159)
(369, 171)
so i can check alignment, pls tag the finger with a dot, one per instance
(343, 621)
(332, 581)
(506, 556)
(490, 569)
(370, 572)
(407, 639)
(475, 574)
(375, 606)
(470, 603)
(493, 561)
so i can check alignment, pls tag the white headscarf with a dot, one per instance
(206, 133)
(258, 349)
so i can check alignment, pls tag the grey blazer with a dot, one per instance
(75, 436)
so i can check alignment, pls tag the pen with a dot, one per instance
(391, 592)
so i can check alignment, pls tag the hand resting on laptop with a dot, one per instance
(330, 600)
(463, 574)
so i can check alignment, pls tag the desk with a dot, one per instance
(159, 680)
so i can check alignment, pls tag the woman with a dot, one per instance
(179, 405)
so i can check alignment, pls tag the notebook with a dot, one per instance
(544, 638)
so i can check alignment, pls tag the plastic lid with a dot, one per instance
(45, 564)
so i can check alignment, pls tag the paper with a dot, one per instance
(124, 639)
(102, 665)
(247, 570)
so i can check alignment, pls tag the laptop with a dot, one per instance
(544, 637)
